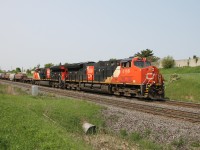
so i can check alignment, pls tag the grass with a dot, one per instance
(181, 70)
(135, 136)
(187, 87)
(142, 140)
(196, 144)
(44, 123)
(178, 143)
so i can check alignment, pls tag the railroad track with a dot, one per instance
(167, 112)
(155, 110)
(179, 103)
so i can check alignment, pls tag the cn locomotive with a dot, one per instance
(133, 77)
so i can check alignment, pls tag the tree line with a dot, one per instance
(167, 62)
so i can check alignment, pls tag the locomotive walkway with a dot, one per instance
(117, 102)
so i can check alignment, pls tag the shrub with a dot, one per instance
(196, 144)
(168, 62)
(174, 77)
(178, 143)
(136, 136)
(123, 133)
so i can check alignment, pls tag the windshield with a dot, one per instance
(142, 64)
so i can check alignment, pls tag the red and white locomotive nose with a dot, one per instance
(153, 76)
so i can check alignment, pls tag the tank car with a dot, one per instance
(3, 75)
(7, 75)
(20, 77)
(12, 77)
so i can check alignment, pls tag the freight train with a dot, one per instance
(132, 77)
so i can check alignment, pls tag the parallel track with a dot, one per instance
(180, 103)
(155, 110)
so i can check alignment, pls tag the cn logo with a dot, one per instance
(89, 76)
(90, 73)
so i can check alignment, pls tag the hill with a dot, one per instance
(182, 83)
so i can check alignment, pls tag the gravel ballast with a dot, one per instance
(180, 134)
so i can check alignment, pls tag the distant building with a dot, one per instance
(180, 63)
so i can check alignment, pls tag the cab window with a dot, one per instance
(126, 64)
(142, 64)
(147, 63)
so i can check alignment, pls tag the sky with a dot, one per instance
(36, 32)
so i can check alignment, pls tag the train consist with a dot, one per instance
(133, 77)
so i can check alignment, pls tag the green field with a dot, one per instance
(42, 122)
(186, 87)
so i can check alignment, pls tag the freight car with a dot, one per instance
(20, 77)
(2, 75)
(134, 77)
(6, 76)
(12, 77)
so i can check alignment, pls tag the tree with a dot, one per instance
(18, 69)
(28, 71)
(33, 69)
(65, 64)
(196, 58)
(168, 62)
(48, 65)
(147, 54)
(112, 60)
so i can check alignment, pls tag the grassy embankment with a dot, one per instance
(47, 122)
(42, 122)
(187, 87)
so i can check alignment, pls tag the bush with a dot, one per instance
(136, 136)
(123, 133)
(174, 77)
(168, 62)
(178, 143)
